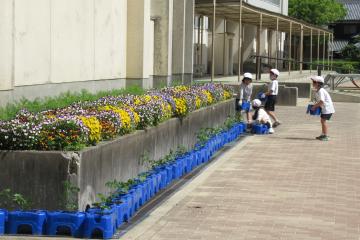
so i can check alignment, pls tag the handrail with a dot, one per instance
(319, 67)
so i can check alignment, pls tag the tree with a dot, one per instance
(319, 12)
(351, 52)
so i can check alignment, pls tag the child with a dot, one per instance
(323, 100)
(273, 89)
(245, 93)
(260, 115)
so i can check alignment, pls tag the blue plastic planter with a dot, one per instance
(65, 223)
(3, 219)
(28, 222)
(169, 172)
(127, 208)
(135, 202)
(100, 224)
(316, 112)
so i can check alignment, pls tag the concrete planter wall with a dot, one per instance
(40, 175)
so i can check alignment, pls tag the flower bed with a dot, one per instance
(87, 123)
(102, 220)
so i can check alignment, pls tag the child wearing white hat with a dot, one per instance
(246, 88)
(261, 116)
(323, 100)
(273, 90)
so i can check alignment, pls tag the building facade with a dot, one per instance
(51, 46)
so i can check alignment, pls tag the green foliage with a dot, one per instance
(350, 51)
(61, 101)
(13, 201)
(319, 12)
(70, 202)
(343, 66)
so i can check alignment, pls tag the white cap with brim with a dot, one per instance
(256, 103)
(275, 71)
(318, 79)
(248, 75)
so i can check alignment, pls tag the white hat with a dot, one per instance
(319, 79)
(256, 103)
(275, 71)
(248, 75)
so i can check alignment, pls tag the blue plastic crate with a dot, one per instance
(3, 219)
(317, 111)
(26, 222)
(260, 129)
(245, 106)
(100, 224)
(121, 211)
(65, 223)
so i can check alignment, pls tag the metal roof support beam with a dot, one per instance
(318, 52)
(290, 33)
(258, 59)
(332, 51)
(301, 48)
(328, 51)
(311, 49)
(323, 61)
(277, 42)
(224, 49)
(201, 42)
(213, 43)
(240, 42)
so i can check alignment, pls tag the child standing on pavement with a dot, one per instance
(245, 93)
(323, 100)
(273, 90)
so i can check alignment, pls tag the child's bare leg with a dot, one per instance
(324, 126)
(272, 115)
(248, 116)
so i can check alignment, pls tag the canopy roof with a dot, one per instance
(230, 10)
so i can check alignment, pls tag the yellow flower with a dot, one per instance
(181, 108)
(94, 126)
(227, 94)
(198, 102)
(124, 116)
(209, 97)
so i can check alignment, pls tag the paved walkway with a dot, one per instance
(281, 186)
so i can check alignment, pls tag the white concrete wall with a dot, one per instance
(58, 41)
(162, 13)
(6, 44)
(138, 35)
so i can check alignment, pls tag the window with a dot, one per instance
(349, 29)
(276, 2)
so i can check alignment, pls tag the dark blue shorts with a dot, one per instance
(326, 116)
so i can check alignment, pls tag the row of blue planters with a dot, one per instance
(317, 111)
(103, 223)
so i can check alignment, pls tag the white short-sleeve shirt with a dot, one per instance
(324, 96)
(245, 91)
(274, 86)
(263, 116)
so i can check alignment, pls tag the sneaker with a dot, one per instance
(322, 138)
(277, 123)
(271, 131)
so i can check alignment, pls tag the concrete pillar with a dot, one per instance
(6, 44)
(138, 46)
(178, 41)
(162, 14)
(189, 40)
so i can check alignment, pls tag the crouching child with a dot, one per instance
(260, 116)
